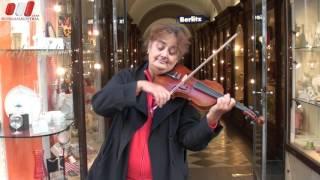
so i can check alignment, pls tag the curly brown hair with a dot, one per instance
(159, 30)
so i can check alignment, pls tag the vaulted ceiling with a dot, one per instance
(146, 12)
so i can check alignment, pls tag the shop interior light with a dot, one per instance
(97, 66)
(96, 32)
(297, 64)
(299, 106)
(236, 48)
(57, 8)
(60, 71)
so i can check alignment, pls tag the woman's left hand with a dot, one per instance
(223, 105)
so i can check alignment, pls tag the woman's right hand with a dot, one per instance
(160, 94)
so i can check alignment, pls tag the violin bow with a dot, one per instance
(247, 112)
(185, 79)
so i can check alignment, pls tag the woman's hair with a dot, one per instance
(158, 30)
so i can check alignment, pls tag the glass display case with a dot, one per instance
(36, 91)
(305, 109)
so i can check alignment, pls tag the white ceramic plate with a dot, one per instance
(27, 98)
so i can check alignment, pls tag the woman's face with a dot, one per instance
(163, 54)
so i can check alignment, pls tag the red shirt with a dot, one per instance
(139, 163)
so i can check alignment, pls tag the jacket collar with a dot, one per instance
(142, 97)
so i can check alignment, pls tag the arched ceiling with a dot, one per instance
(172, 11)
(140, 7)
(167, 21)
(145, 12)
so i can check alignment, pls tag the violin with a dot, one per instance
(202, 94)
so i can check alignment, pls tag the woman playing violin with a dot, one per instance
(147, 143)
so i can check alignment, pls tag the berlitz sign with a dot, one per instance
(191, 19)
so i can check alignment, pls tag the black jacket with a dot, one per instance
(176, 126)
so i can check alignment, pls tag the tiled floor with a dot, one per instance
(221, 152)
(225, 158)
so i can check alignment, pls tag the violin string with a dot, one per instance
(203, 88)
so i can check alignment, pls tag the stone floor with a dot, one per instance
(227, 157)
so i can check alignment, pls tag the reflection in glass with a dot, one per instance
(238, 67)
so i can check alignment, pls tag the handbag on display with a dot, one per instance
(56, 168)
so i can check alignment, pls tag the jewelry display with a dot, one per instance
(300, 36)
(305, 109)
(316, 40)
